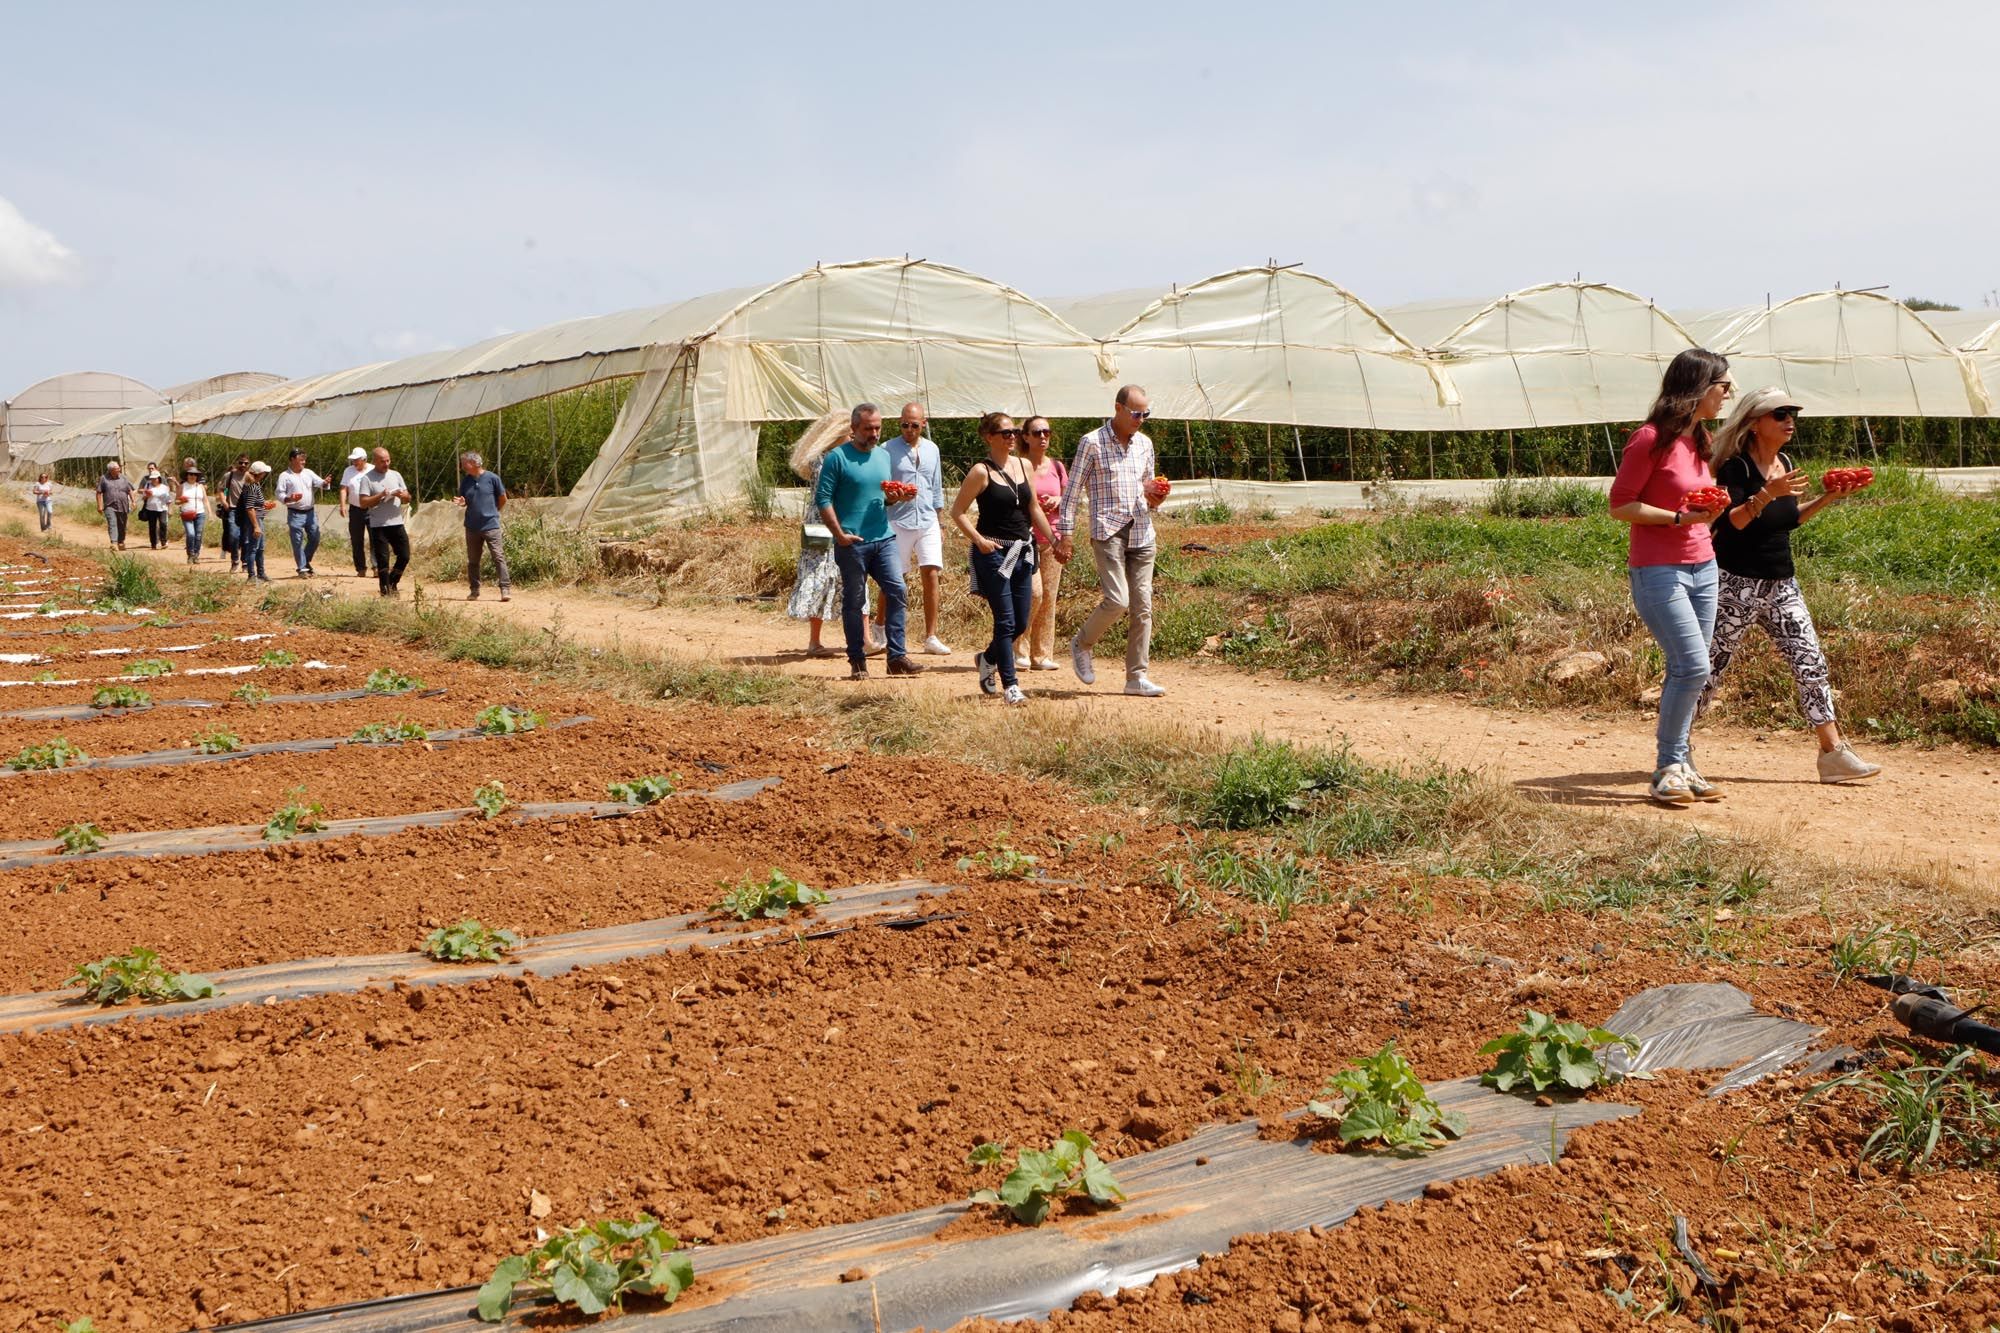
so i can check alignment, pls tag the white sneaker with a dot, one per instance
(1699, 787)
(1044, 664)
(1670, 787)
(1144, 688)
(937, 647)
(989, 673)
(1841, 764)
(878, 639)
(1079, 657)
(1015, 695)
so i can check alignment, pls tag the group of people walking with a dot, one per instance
(876, 512)
(1701, 577)
(372, 496)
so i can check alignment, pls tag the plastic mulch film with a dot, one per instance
(79, 712)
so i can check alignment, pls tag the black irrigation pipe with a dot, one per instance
(315, 745)
(1184, 1202)
(546, 956)
(82, 712)
(250, 837)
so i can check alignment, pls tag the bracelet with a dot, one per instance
(1677, 518)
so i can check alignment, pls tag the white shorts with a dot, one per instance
(921, 548)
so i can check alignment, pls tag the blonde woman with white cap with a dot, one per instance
(1753, 548)
(356, 516)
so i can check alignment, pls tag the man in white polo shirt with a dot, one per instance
(382, 492)
(298, 489)
(356, 516)
(913, 459)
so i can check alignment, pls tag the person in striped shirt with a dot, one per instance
(1114, 471)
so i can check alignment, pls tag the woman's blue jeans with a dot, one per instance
(1677, 602)
(191, 530)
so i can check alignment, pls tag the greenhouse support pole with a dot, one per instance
(1300, 444)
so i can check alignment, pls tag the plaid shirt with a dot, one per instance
(1114, 476)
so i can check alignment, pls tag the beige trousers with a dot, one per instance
(1042, 620)
(1125, 576)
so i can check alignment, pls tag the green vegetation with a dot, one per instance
(469, 942)
(1876, 951)
(79, 839)
(278, 657)
(1380, 1100)
(593, 1268)
(137, 974)
(390, 733)
(1001, 862)
(128, 580)
(506, 720)
(1071, 1166)
(643, 791)
(490, 798)
(1933, 1115)
(1543, 1053)
(1267, 781)
(250, 694)
(121, 696)
(771, 898)
(218, 741)
(58, 753)
(294, 817)
(149, 666)
(539, 551)
(387, 680)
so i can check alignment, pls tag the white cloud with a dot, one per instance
(30, 256)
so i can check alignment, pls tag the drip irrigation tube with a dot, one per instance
(250, 837)
(1184, 1202)
(83, 712)
(316, 745)
(547, 956)
(238, 669)
(100, 629)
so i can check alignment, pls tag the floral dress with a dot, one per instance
(816, 590)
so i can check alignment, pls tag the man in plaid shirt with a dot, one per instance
(1114, 469)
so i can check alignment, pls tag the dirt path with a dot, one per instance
(1936, 808)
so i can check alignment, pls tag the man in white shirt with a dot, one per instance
(297, 487)
(380, 491)
(356, 516)
(913, 459)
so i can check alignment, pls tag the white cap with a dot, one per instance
(260, 467)
(356, 454)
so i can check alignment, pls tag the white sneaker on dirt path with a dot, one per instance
(989, 673)
(936, 647)
(1045, 664)
(1699, 787)
(1015, 695)
(1144, 688)
(1841, 764)
(1670, 787)
(1079, 657)
(878, 639)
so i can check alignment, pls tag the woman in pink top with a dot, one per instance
(1049, 476)
(1672, 561)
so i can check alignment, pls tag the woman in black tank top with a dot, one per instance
(1003, 547)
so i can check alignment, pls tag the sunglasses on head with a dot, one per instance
(1784, 414)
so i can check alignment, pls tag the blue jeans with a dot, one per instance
(45, 510)
(191, 529)
(303, 527)
(1011, 598)
(1677, 602)
(232, 541)
(857, 563)
(250, 547)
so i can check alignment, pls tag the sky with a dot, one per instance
(192, 189)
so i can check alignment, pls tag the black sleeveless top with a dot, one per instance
(1003, 508)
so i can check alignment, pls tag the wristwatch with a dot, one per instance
(1677, 518)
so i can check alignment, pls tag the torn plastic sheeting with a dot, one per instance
(314, 745)
(243, 669)
(1177, 1211)
(174, 648)
(101, 629)
(1706, 1025)
(137, 612)
(546, 956)
(77, 712)
(250, 837)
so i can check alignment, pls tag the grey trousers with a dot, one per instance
(1125, 577)
(477, 544)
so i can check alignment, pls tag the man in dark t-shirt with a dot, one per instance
(114, 501)
(482, 495)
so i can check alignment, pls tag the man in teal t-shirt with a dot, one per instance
(849, 498)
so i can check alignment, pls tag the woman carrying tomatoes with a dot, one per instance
(1753, 545)
(1003, 546)
(1672, 556)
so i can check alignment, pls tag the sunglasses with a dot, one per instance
(1784, 414)
(1138, 413)
(1010, 433)
(1041, 434)
(1727, 386)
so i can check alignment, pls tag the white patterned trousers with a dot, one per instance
(1780, 608)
